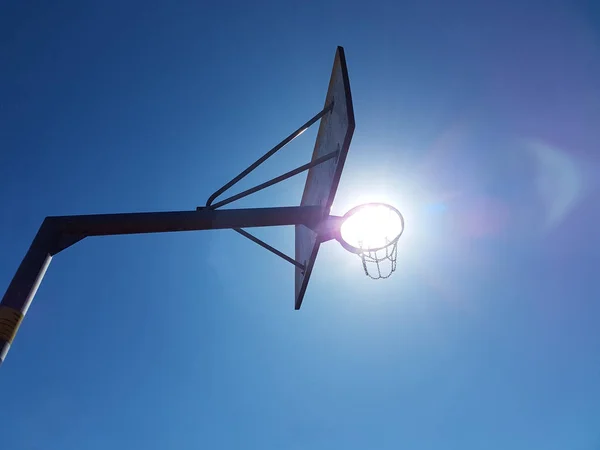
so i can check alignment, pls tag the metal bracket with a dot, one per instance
(326, 230)
(272, 249)
(275, 180)
(262, 159)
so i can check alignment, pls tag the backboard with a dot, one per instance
(335, 133)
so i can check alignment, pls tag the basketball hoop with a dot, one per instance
(372, 232)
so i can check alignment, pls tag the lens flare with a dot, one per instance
(371, 227)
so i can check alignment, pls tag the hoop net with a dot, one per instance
(380, 264)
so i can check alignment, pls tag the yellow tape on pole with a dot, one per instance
(10, 319)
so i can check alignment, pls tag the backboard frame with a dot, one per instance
(335, 134)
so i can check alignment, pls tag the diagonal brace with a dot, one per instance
(275, 180)
(267, 155)
(272, 249)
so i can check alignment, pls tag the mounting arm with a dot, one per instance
(58, 233)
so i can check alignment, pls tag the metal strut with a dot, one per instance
(262, 159)
(280, 178)
(275, 180)
(272, 249)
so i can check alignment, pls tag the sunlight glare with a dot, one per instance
(371, 227)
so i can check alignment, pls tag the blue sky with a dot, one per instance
(477, 119)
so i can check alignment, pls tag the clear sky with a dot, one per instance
(478, 119)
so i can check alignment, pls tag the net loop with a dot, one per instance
(380, 264)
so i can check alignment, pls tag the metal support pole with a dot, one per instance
(24, 285)
(58, 233)
(203, 219)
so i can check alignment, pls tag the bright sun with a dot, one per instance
(372, 226)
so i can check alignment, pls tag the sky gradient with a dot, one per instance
(478, 120)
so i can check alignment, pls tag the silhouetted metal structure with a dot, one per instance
(324, 170)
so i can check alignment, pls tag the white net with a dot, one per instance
(380, 264)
